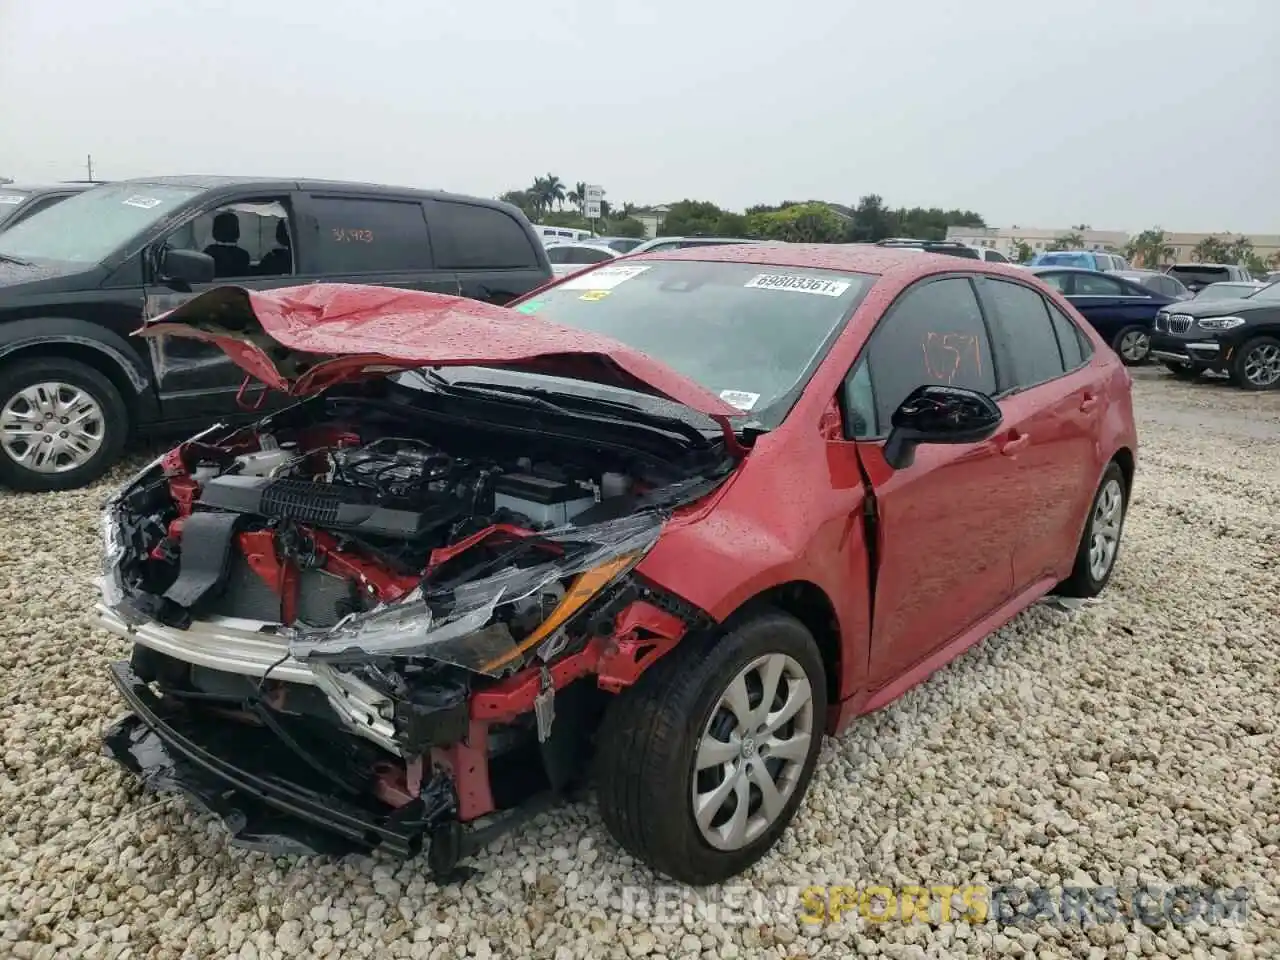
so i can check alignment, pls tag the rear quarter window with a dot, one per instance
(478, 238)
(370, 236)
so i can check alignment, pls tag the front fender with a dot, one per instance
(17, 335)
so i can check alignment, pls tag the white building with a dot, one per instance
(1005, 239)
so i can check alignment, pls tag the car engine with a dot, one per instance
(340, 524)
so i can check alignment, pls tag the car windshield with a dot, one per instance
(750, 333)
(10, 200)
(1271, 292)
(1066, 260)
(1225, 291)
(1200, 275)
(88, 227)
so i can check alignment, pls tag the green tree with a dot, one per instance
(1239, 250)
(1067, 241)
(548, 191)
(799, 223)
(871, 220)
(1210, 250)
(525, 200)
(1255, 265)
(577, 197)
(1149, 249)
(1274, 260)
(692, 218)
(624, 227)
(1022, 251)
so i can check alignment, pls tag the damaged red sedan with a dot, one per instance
(661, 525)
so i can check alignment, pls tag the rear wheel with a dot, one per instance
(62, 424)
(704, 762)
(1133, 344)
(1257, 364)
(1100, 544)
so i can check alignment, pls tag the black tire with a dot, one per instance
(1241, 361)
(18, 375)
(651, 733)
(1184, 371)
(1083, 582)
(1119, 339)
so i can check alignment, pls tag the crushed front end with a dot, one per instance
(349, 632)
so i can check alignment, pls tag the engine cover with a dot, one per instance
(325, 505)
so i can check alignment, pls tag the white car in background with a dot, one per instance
(567, 258)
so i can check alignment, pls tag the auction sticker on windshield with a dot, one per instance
(146, 203)
(9, 198)
(795, 284)
(742, 399)
(606, 278)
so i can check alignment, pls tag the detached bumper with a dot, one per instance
(265, 795)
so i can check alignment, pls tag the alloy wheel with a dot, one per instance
(1262, 365)
(752, 751)
(1135, 345)
(52, 427)
(1104, 528)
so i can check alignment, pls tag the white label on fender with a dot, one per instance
(793, 284)
(604, 278)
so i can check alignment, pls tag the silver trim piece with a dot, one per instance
(233, 645)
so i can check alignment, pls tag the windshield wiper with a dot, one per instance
(5, 258)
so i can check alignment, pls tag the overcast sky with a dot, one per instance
(1121, 114)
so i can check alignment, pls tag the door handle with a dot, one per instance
(1089, 403)
(1015, 446)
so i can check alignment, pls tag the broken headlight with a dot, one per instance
(470, 630)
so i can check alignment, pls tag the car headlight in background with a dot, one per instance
(1220, 323)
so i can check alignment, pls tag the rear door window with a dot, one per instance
(470, 237)
(1026, 330)
(1075, 347)
(365, 235)
(1093, 285)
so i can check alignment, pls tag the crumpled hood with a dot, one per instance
(302, 339)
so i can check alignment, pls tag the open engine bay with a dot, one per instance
(393, 608)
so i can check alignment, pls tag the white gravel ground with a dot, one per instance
(1129, 742)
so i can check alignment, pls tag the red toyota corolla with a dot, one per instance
(667, 521)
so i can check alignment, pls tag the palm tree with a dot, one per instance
(552, 190)
(1068, 241)
(1149, 248)
(578, 195)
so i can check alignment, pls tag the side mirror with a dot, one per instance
(936, 413)
(188, 266)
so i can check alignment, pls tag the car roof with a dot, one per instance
(905, 263)
(1047, 267)
(211, 182)
(1197, 266)
(71, 186)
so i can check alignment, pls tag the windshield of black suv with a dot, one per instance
(750, 333)
(1271, 292)
(91, 225)
(1226, 291)
(10, 201)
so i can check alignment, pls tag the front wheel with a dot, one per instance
(1257, 364)
(62, 424)
(1133, 344)
(703, 763)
